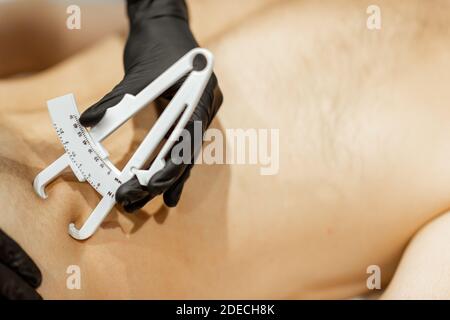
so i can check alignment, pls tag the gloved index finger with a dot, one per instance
(91, 116)
(16, 259)
(132, 83)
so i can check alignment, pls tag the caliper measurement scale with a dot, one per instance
(105, 178)
(87, 158)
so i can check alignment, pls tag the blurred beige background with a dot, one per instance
(30, 27)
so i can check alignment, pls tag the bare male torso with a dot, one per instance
(364, 162)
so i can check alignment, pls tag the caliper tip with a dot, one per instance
(74, 232)
(78, 234)
(39, 187)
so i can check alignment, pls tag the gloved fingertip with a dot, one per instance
(171, 199)
(30, 272)
(165, 178)
(132, 195)
(128, 208)
(35, 279)
(92, 116)
(173, 194)
(95, 113)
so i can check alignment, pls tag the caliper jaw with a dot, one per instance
(49, 174)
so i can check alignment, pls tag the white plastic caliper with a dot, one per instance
(89, 160)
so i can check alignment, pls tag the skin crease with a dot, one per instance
(364, 164)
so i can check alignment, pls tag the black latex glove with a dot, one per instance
(19, 275)
(159, 36)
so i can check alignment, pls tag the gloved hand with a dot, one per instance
(19, 275)
(159, 36)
